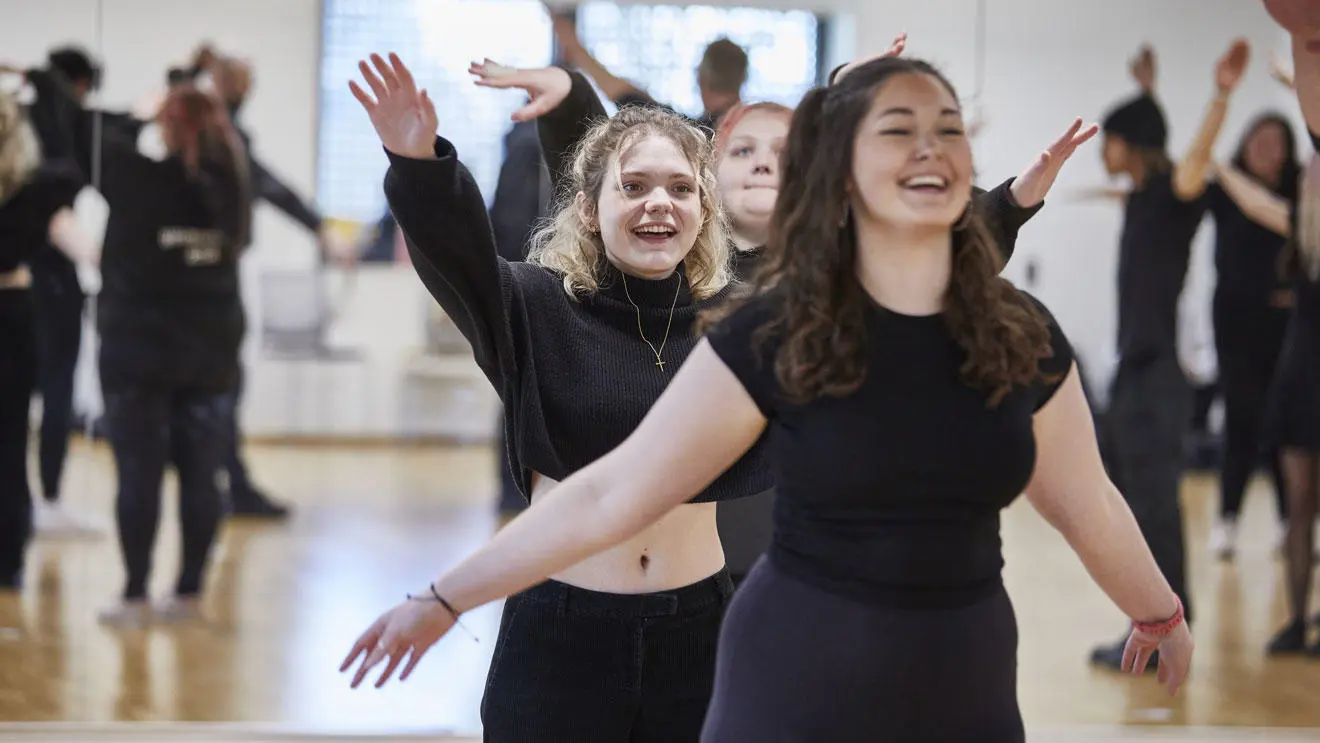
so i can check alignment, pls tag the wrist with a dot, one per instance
(1162, 626)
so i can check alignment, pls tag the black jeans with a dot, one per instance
(1248, 339)
(579, 666)
(150, 427)
(798, 664)
(1148, 416)
(59, 306)
(18, 368)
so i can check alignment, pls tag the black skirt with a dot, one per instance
(798, 664)
(1294, 414)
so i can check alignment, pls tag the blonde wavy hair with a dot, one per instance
(567, 245)
(19, 152)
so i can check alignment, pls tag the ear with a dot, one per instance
(586, 212)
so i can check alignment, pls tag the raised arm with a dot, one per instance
(1073, 493)
(1260, 204)
(1192, 173)
(442, 214)
(1306, 72)
(617, 89)
(616, 497)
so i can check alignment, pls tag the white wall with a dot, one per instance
(1046, 62)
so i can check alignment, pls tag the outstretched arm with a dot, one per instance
(1192, 173)
(616, 497)
(617, 89)
(1072, 492)
(1260, 204)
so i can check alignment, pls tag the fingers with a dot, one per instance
(377, 654)
(360, 94)
(900, 43)
(373, 80)
(386, 72)
(358, 648)
(1086, 135)
(403, 74)
(428, 107)
(395, 659)
(417, 653)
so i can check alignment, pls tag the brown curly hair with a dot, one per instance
(810, 263)
(567, 245)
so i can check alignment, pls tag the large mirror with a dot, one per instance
(364, 450)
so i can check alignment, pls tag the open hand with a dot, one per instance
(404, 117)
(1030, 188)
(546, 86)
(411, 627)
(1175, 651)
(1228, 72)
(1142, 68)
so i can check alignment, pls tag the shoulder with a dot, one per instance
(745, 342)
(1054, 367)
(535, 284)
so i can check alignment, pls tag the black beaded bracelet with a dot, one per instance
(439, 599)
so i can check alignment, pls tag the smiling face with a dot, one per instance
(748, 170)
(649, 210)
(912, 162)
(1266, 151)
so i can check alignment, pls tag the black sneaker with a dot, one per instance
(1111, 657)
(1291, 640)
(255, 504)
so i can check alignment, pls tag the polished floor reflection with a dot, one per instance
(286, 600)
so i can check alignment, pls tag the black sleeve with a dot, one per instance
(1003, 215)
(1054, 369)
(1315, 140)
(440, 209)
(562, 128)
(266, 186)
(752, 361)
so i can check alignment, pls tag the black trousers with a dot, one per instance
(59, 305)
(240, 485)
(1248, 339)
(1148, 418)
(798, 664)
(148, 428)
(579, 666)
(18, 369)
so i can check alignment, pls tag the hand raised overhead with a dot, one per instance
(547, 87)
(1228, 72)
(404, 117)
(1035, 182)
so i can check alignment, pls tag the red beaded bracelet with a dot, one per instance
(1164, 627)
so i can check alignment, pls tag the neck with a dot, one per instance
(1137, 172)
(745, 238)
(718, 103)
(905, 271)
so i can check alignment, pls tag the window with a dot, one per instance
(436, 39)
(658, 48)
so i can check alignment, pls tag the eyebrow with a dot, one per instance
(644, 174)
(909, 112)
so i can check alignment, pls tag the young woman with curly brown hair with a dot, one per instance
(906, 394)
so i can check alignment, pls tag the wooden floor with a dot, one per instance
(286, 601)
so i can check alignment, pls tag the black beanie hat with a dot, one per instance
(1139, 122)
(76, 65)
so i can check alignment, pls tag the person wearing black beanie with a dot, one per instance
(1150, 398)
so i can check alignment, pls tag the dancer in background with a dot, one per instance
(232, 79)
(886, 572)
(1150, 400)
(1251, 308)
(1294, 411)
(36, 213)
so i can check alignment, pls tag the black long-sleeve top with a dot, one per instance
(563, 127)
(574, 373)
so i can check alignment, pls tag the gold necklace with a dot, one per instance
(658, 361)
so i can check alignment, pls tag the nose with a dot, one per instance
(929, 146)
(764, 163)
(658, 202)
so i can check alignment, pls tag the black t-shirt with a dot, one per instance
(25, 216)
(892, 494)
(1246, 253)
(1153, 254)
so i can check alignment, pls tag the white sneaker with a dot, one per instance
(176, 609)
(58, 520)
(1223, 539)
(126, 615)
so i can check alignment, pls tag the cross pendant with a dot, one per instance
(660, 363)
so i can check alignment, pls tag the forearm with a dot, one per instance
(575, 520)
(1004, 215)
(1259, 204)
(612, 86)
(1192, 172)
(67, 236)
(1109, 543)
